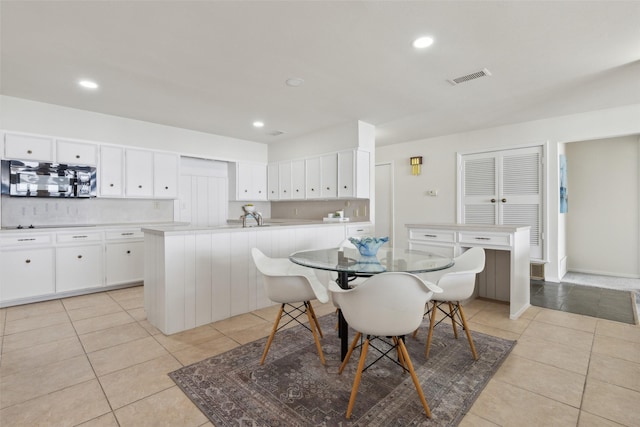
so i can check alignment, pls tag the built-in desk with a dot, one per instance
(453, 239)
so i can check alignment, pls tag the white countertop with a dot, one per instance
(237, 227)
(471, 227)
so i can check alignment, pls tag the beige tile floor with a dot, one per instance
(95, 360)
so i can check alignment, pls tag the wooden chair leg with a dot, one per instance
(414, 377)
(337, 321)
(315, 319)
(273, 333)
(356, 380)
(401, 360)
(309, 311)
(432, 324)
(452, 315)
(348, 355)
(466, 329)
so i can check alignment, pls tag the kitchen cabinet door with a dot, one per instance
(312, 173)
(76, 153)
(26, 273)
(273, 181)
(353, 174)
(78, 267)
(165, 175)
(111, 171)
(248, 181)
(297, 180)
(139, 173)
(125, 262)
(329, 176)
(284, 175)
(28, 147)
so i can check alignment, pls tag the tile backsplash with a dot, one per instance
(355, 210)
(27, 211)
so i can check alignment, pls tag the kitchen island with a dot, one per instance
(198, 275)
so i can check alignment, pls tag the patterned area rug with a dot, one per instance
(293, 388)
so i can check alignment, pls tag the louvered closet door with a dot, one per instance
(505, 188)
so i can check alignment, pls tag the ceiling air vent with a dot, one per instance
(276, 133)
(482, 73)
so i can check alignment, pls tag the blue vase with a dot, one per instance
(368, 246)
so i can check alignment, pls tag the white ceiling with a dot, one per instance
(216, 66)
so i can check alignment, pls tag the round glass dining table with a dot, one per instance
(348, 263)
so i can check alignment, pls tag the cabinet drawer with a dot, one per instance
(489, 239)
(359, 230)
(427, 235)
(90, 236)
(135, 233)
(25, 239)
(28, 147)
(76, 153)
(444, 250)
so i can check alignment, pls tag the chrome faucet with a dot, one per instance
(256, 215)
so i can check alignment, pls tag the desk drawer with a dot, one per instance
(425, 235)
(489, 239)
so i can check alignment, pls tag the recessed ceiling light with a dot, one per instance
(258, 124)
(88, 84)
(294, 81)
(422, 42)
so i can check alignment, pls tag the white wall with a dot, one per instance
(439, 168)
(23, 115)
(355, 134)
(602, 220)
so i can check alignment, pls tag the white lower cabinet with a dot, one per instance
(26, 273)
(124, 262)
(78, 267)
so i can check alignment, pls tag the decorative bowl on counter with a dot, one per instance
(368, 246)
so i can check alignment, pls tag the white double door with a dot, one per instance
(504, 188)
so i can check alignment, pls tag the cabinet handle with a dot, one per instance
(345, 186)
(430, 235)
(482, 238)
(166, 188)
(259, 191)
(504, 200)
(313, 189)
(79, 237)
(110, 185)
(126, 234)
(493, 200)
(328, 188)
(77, 156)
(246, 191)
(26, 240)
(79, 256)
(28, 261)
(297, 190)
(128, 252)
(139, 186)
(29, 152)
(285, 191)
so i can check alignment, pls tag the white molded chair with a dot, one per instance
(385, 305)
(457, 284)
(292, 286)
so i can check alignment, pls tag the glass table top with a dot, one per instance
(387, 259)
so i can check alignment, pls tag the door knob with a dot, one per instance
(504, 200)
(493, 200)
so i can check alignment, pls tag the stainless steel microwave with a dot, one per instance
(36, 179)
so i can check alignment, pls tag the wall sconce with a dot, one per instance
(415, 165)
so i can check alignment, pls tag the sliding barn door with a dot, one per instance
(504, 188)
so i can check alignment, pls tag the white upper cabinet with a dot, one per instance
(111, 171)
(353, 174)
(284, 176)
(76, 153)
(165, 175)
(312, 172)
(329, 176)
(297, 179)
(138, 173)
(273, 182)
(28, 147)
(248, 181)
